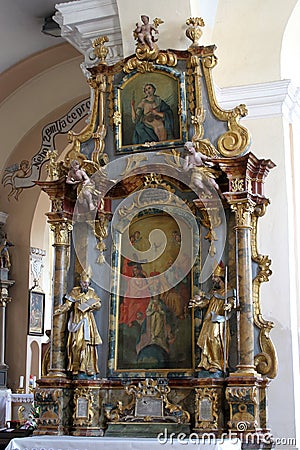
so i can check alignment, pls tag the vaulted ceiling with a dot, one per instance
(21, 23)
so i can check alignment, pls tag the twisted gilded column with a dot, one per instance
(61, 229)
(243, 209)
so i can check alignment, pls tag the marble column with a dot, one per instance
(243, 210)
(61, 229)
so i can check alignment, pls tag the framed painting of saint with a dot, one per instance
(36, 308)
(151, 107)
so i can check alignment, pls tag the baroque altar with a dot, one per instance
(157, 274)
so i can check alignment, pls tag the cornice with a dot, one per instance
(82, 21)
(263, 100)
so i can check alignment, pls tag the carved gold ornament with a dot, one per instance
(83, 413)
(61, 231)
(154, 395)
(236, 140)
(207, 408)
(266, 360)
(99, 48)
(194, 31)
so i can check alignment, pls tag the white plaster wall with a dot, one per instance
(248, 35)
(269, 140)
(290, 55)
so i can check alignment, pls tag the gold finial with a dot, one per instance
(99, 48)
(194, 31)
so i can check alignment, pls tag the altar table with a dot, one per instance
(107, 443)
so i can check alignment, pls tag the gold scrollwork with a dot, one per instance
(242, 393)
(99, 87)
(141, 201)
(57, 205)
(153, 180)
(132, 163)
(145, 60)
(237, 185)
(151, 391)
(140, 66)
(196, 107)
(266, 360)
(236, 140)
(243, 402)
(172, 158)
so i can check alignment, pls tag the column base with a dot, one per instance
(3, 376)
(54, 398)
(246, 398)
(244, 371)
(53, 373)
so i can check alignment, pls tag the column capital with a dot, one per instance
(4, 294)
(243, 210)
(61, 229)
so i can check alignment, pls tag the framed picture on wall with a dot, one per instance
(36, 310)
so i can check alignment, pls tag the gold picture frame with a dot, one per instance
(152, 111)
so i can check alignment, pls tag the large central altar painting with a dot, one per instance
(154, 331)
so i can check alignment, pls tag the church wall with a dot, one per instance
(277, 296)
(35, 99)
(248, 36)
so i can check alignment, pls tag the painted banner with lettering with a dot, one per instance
(24, 174)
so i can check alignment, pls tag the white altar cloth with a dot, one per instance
(110, 443)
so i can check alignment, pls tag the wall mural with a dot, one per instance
(23, 175)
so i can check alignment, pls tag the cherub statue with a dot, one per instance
(78, 176)
(145, 32)
(201, 166)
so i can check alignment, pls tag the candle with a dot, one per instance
(21, 384)
(34, 382)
